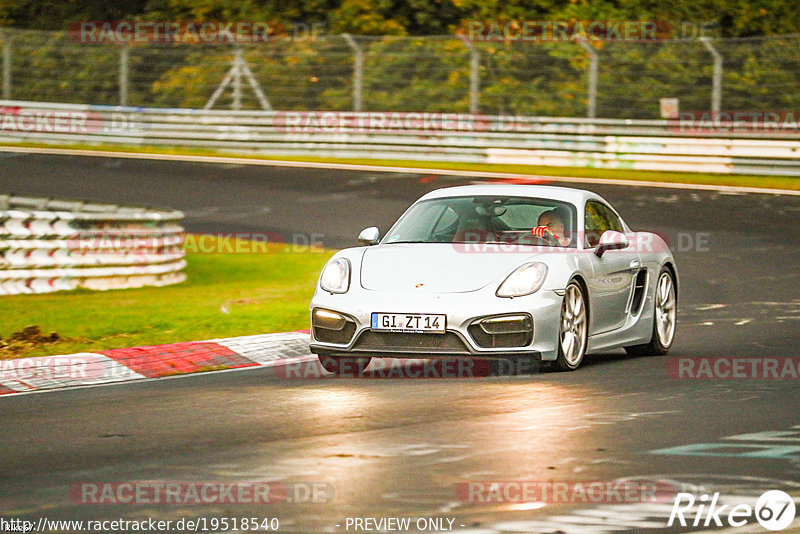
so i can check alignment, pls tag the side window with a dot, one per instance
(599, 218)
(613, 221)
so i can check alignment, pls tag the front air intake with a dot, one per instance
(332, 327)
(502, 331)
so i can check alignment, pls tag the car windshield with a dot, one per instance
(486, 219)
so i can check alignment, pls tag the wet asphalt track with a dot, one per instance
(402, 447)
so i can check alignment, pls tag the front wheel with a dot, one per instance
(573, 330)
(344, 365)
(665, 310)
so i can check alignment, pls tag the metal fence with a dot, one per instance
(433, 74)
(578, 142)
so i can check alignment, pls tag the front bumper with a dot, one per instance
(462, 310)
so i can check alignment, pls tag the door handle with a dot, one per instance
(635, 265)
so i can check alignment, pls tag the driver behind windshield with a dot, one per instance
(552, 223)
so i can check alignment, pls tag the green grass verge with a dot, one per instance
(741, 180)
(266, 292)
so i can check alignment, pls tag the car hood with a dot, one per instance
(436, 267)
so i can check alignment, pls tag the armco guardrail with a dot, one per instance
(602, 143)
(52, 245)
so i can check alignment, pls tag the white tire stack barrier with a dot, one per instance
(52, 245)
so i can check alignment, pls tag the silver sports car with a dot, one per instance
(493, 271)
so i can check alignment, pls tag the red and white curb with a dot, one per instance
(24, 375)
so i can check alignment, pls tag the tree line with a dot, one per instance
(728, 18)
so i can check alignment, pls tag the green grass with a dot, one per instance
(742, 180)
(267, 292)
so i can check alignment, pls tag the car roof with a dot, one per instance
(564, 194)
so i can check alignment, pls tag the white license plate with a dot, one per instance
(410, 322)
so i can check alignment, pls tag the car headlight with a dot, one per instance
(525, 280)
(336, 276)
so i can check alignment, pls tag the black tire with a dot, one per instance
(659, 344)
(575, 326)
(344, 365)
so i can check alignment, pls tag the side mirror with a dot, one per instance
(369, 236)
(611, 240)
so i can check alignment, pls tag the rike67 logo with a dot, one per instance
(774, 510)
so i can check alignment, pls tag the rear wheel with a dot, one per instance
(344, 365)
(665, 311)
(573, 330)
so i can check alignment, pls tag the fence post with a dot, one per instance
(358, 71)
(474, 76)
(716, 89)
(6, 65)
(124, 54)
(591, 110)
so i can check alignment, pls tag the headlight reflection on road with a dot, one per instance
(336, 402)
(399, 444)
(521, 507)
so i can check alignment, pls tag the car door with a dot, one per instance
(613, 272)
